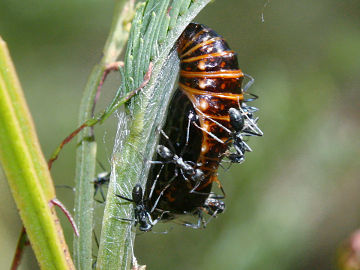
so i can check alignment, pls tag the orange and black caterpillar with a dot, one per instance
(207, 115)
(210, 77)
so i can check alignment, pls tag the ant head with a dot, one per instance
(144, 224)
(137, 194)
(249, 110)
(236, 158)
(214, 205)
(164, 152)
(188, 169)
(236, 119)
(105, 176)
(144, 219)
(145, 227)
(199, 175)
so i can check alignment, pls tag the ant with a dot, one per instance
(187, 168)
(243, 122)
(242, 128)
(101, 179)
(142, 215)
(212, 206)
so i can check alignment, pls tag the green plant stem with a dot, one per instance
(27, 172)
(151, 39)
(86, 152)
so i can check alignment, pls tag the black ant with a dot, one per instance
(243, 123)
(242, 128)
(101, 179)
(187, 168)
(212, 206)
(142, 215)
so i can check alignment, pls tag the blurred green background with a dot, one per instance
(293, 201)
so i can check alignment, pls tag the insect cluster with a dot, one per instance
(208, 120)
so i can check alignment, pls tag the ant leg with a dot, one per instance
(221, 188)
(246, 148)
(209, 133)
(254, 130)
(197, 184)
(102, 194)
(239, 151)
(207, 194)
(252, 97)
(249, 83)
(155, 181)
(210, 119)
(191, 117)
(97, 245)
(183, 175)
(193, 225)
(96, 239)
(65, 186)
(163, 190)
(220, 197)
(210, 218)
(229, 164)
(98, 201)
(124, 198)
(201, 193)
(154, 222)
(96, 188)
(125, 219)
(192, 163)
(215, 196)
(156, 162)
(172, 148)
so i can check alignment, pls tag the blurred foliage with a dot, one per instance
(349, 253)
(293, 201)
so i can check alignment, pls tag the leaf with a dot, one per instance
(152, 39)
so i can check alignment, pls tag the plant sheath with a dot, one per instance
(86, 151)
(27, 172)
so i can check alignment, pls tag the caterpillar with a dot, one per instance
(206, 117)
(211, 79)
